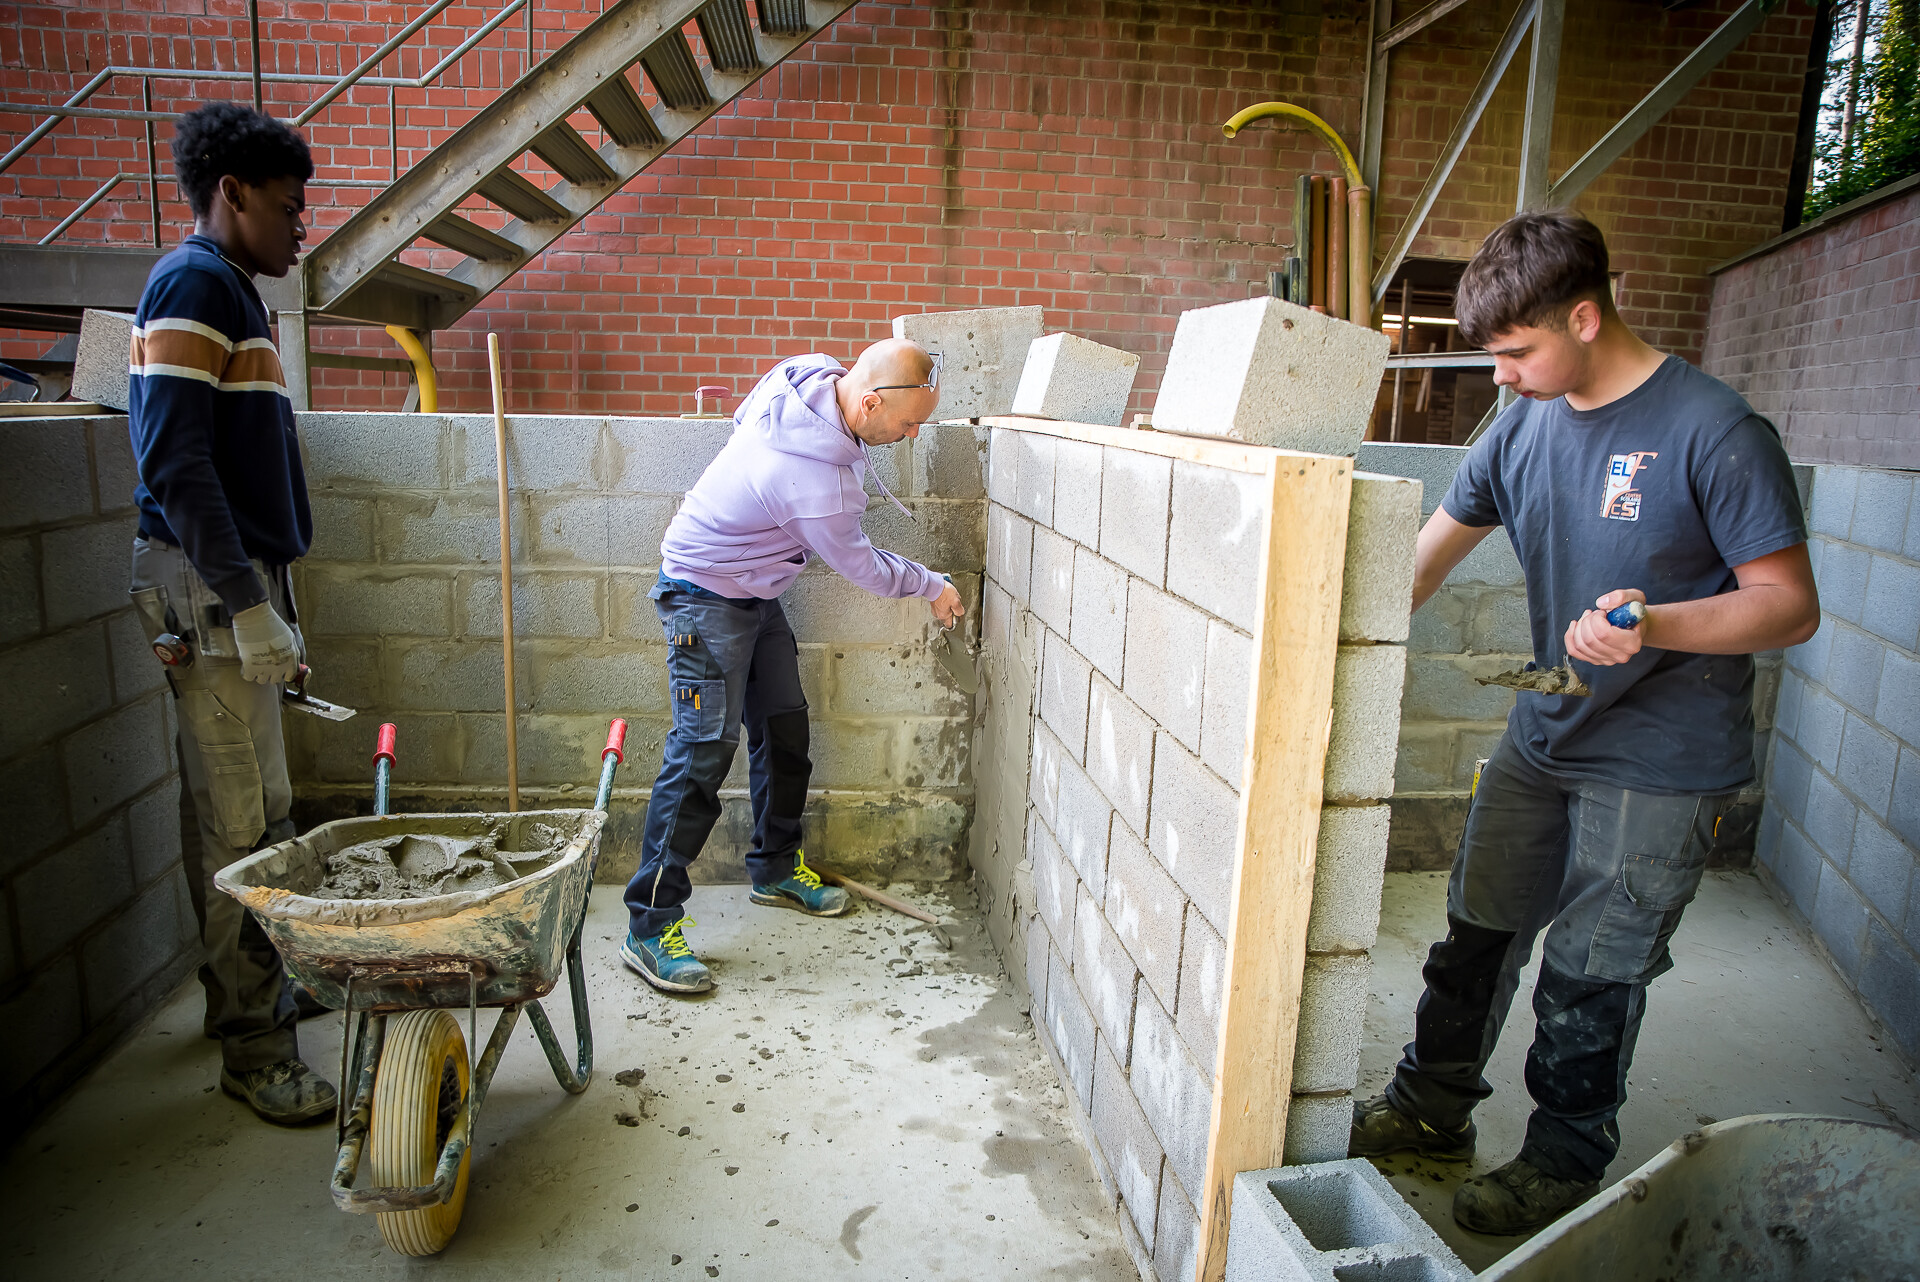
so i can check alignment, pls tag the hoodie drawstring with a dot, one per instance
(874, 473)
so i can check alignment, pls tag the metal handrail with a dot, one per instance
(73, 107)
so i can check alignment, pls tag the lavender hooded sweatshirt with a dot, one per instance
(788, 485)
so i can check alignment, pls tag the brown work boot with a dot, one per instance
(1379, 1129)
(287, 1094)
(1517, 1198)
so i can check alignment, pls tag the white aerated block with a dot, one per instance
(100, 362)
(1076, 380)
(1271, 373)
(982, 354)
(1376, 590)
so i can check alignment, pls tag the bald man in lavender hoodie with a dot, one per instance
(787, 488)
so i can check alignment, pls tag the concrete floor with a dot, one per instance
(1751, 1019)
(877, 1113)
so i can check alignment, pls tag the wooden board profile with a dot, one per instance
(1291, 714)
(1213, 451)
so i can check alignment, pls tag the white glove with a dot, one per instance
(268, 649)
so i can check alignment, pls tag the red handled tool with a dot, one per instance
(610, 757)
(294, 695)
(383, 760)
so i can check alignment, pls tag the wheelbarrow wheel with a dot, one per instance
(419, 1093)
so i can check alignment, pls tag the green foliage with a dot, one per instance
(1886, 133)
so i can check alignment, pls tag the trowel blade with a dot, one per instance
(1560, 680)
(955, 661)
(316, 707)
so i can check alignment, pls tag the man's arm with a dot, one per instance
(1444, 543)
(1776, 605)
(844, 546)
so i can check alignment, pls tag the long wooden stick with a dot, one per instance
(885, 900)
(506, 566)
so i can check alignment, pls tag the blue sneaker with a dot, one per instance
(804, 891)
(666, 961)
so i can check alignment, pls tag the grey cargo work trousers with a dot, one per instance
(235, 794)
(1606, 873)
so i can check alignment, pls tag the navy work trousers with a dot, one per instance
(728, 664)
(1606, 872)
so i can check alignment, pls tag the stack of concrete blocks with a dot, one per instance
(983, 352)
(1075, 380)
(1331, 1222)
(95, 923)
(1120, 601)
(1271, 373)
(400, 603)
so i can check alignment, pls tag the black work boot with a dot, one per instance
(1517, 1198)
(287, 1094)
(1379, 1129)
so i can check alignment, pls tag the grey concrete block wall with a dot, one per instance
(1839, 839)
(401, 604)
(95, 924)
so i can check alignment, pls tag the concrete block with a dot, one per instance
(1166, 661)
(1441, 687)
(116, 757)
(1897, 707)
(1880, 504)
(1331, 1222)
(66, 893)
(1175, 1092)
(1839, 917)
(1051, 590)
(1203, 980)
(1218, 519)
(19, 590)
(1034, 457)
(1070, 1025)
(549, 604)
(1789, 775)
(1145, 909)
(1843, 580)
(1829, 817)
(1076, 488)
(1081, 824)
(1056, 888)
(1890, 983)
(114, 474)
(1376, 587)
(1333, 1008)
(1043, 785)
(1834, 488)
(135, 671)
(1176, 1239)
(544, 451)
(40, 822)
(1064, 676)
(1431, 465)
(1366, 721)
(1135, 499)
(1501, 624)
(1138, 1249)
(1443, 623)
(1892, 608)
(1037, 946)
(1868, 756)
(983, 352)
(459, 676)
(138, 943)
(1853, 668)
(1126, 1141)
(100, 363)
(1100, 624)
(381, 451)
(85, 569)
(1798, 869)
(1904, 813)
(343, 602)
(1009, 550)
(946, 535)
(444, 529)
(1880, 867)
(869, 682)
(1822, 721)
(1120, 752)
(1223, 708)
(1318, 1127)
(1075, 380)
(1809, 658)
(822, 606)
(1105, 974)
(661, 455)
(1271, 373)
(1003, 466)
(343, 527)
(949, 461)
(153, 827)
(47, 477)
(599, 530)
(1349, 866)
(1195, 828)
(1786, 708)
(1492, 563)
(44, 1019)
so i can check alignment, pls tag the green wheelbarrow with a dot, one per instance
(399, 968)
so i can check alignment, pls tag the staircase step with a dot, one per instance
(471, 239)
(522, 199)
(572, 156)
(618, 108)
(728, 34)
(417, 280)
(676, 74)
(783, 17)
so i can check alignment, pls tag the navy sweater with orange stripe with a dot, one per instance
(213, 433)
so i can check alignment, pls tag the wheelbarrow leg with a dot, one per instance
(572, 1079)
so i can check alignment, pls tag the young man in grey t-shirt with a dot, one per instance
(1621, 474)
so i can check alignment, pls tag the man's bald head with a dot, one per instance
(884, 396)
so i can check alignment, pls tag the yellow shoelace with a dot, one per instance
(671, 942)
(801, 873)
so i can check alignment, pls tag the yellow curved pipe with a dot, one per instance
(1261, 110)
(422, 367)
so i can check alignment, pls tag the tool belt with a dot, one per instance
(172, 600)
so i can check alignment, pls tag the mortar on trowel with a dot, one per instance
(1563, 679)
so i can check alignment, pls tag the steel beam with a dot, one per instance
(1456, 143)
(1414, 23)
(1543, 83)
(1373, 109)
(32, 276)
(1662, 99)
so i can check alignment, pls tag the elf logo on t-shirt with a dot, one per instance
(1621, 501)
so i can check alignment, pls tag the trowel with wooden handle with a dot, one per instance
(1563, 679)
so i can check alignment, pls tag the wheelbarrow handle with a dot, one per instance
(384, 744)
(616, 741)
(383, 760)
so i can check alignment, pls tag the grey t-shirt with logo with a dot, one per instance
(1665, 490)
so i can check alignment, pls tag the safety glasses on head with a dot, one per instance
(932, 383)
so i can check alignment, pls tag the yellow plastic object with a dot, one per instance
(422, 367)
(419, 1099)
(1261, 110)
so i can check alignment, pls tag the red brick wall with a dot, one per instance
(954, 154)
(1822, 335)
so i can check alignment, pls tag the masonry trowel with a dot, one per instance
(1563, 679)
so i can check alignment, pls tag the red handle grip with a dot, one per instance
(616, 741)
(383, 746)
(713, 390)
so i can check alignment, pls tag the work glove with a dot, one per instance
(268, 649)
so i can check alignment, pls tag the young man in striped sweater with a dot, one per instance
(223, 513)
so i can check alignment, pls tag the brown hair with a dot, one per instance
(1531, 271)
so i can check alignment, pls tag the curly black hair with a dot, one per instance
(224, 138)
